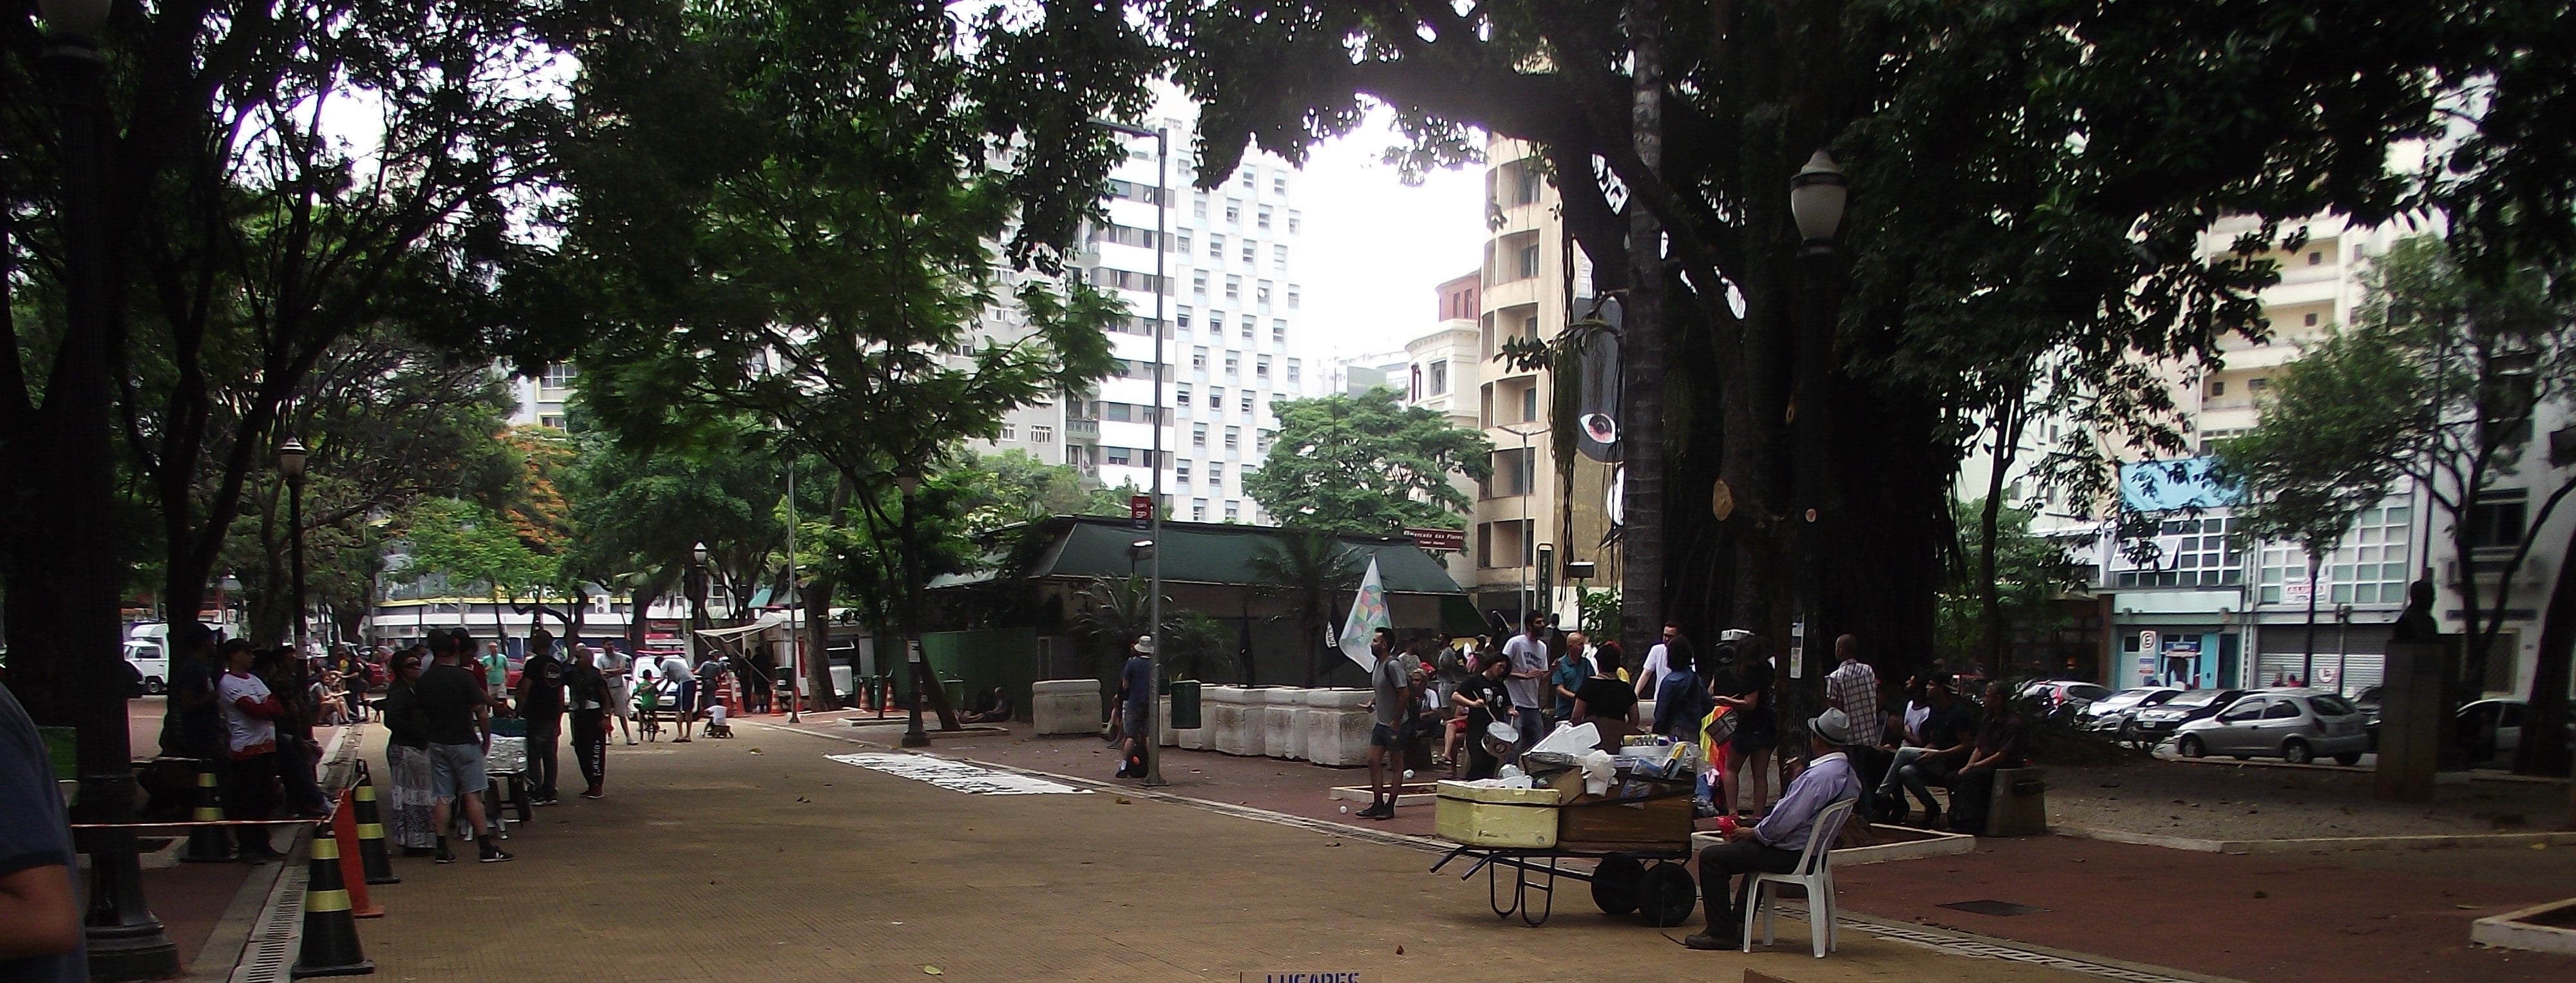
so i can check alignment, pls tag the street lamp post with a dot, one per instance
(913, 734)
(795, 639)
(1817, 195)
(1162, 329)
(1524, 494)
(290, 462)
(2343, 647)
(697, 587)
(125, 941)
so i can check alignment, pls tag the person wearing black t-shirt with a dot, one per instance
(1756, 728)
(1608, 704)
(1482, 697)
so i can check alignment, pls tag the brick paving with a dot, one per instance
(758, 858)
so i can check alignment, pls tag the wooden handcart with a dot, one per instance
(1637, 844)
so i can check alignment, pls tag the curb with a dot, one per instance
(2317, 843)
(2471, 775)
(2523, 930)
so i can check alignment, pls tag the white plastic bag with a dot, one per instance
(1571, 740)
(1598, 772)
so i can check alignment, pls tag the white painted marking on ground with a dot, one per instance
(957, 776)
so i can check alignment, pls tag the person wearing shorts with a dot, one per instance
(458, 721)
(1391, 706)
(684, 691)
(619, 671)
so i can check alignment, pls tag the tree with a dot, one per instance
(635, 518)
(2318, 454)
(2030, 184)
(467, 545)
(1366, 465)
(1310, 567)
(1980, 612)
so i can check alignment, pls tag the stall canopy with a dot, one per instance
(766, 621)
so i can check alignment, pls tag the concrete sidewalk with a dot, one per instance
(760, 858)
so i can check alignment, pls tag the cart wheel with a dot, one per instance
(1666, 895)
(1614, 884)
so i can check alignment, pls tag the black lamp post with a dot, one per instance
(125, 941)
(913, 734)
(290, 462)
(1816, 199)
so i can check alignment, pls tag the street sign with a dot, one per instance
(2147, 643)
(1447, 540)
(1140, 510)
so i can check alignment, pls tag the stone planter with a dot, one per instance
(1064, 706)
(1337, 727)
(1223, 712)
(1286, 719)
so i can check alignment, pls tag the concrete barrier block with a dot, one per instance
(1222, 710)
(1337, 727)
(1064, 706)
(1285, 717)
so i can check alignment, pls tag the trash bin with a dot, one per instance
(1185, 703)
(956, 689)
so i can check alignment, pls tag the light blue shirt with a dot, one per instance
(1827, 780)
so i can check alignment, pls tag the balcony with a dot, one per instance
(1086, 430)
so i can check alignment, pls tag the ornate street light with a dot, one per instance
(1817, 196)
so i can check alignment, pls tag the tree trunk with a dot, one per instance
(2546, 717)
(818, 611)
(2007, 448)
(641, 598)
(1641, 352)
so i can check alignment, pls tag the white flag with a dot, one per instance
(1368, 614)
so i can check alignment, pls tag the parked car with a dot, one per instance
(2063, 698)
(150, 661)
(2367, 701)
(2295, 725)
(2113, 712)
(2492, 728)
(2150, 726)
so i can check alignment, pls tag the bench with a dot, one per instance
(2020, 805)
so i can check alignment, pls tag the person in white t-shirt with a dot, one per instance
(250, 739)
(1658, 662)
(1528, 654)
(684, 684)
(619, 671)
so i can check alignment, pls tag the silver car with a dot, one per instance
(2296, 725)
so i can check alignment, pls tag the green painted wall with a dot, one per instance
(1004, 657)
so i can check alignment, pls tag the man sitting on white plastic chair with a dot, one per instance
(1773, 846)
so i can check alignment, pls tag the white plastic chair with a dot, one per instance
(1815, 873)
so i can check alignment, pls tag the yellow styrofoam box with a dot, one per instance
(1501, 817)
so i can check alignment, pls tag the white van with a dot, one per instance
(150, 660)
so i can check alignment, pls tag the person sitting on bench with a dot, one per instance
(2003, 741)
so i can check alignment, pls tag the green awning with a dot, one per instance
(1211, 553)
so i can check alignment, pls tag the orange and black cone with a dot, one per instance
(371, 832)
(208, 844)
(330, 931)
(344, 834)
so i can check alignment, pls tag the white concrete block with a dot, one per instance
(1224, 714)
(1064, 706)
(1285, 720)
(1337, 727)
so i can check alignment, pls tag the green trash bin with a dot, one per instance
(1185, 703)
(956, 689)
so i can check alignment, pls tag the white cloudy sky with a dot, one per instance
(1375, 248)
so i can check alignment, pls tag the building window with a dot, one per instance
(1181, 473)
(1279, 184)
(1116, 455)
(1485, 544)
(1198, 510)
(1261, 441)
(1248, 176)
(1294, 220)
(2312, 319)
(1261, 367)
(1278, 258)
(1233, 510)
(1181, 316)
(554, 422)
(2258, 384)
(1440, 377)
(1292, 296)
(2316, 257)
(1233, 287)
(1198, 358)
(1261, 297)
(2217, 388)
(1247, 402)
(1041, 435)
(1185, 241)
(1216, 246)
(1181, 394)
(1198, 435)
(1233, 440)
(1250, 250)
(1529, 403)
(1010, 431)
(1529, 261)
(1250, 323)
(2192, 553)
(1198, 205)
(1279, 331)
(1233, 212)
(561, 375)
(1233, 365)
(2496, 521)
(1261, 218)
(1198, 284)
(1216, 475)
(1292, 371)
(1526, 190)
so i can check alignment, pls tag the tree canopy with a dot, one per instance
(1366, 464)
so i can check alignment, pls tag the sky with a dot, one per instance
(1375, 248)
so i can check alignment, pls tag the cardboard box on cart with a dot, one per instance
(1633, 811)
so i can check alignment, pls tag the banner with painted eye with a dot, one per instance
(1597, 417)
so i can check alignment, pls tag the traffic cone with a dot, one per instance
(208, 844)
(371, 832)
(344, 834)
(330, 932)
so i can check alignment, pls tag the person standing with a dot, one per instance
(407, 757)
(193, 722)
(1573, 669)
(495, 669)
(1606, 702)
(1853, 689)
(40, 911)
(1658, 661)
(1484, 700)
(1390, 706)
(1757, 729)
(588, 692)
(1135, 697)
(289, 679)
(541, 705)
(458, 713)
(684, 687)
(250, 741)
(617, 669)
(1528, 652)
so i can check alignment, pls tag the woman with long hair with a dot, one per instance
(407, 759)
